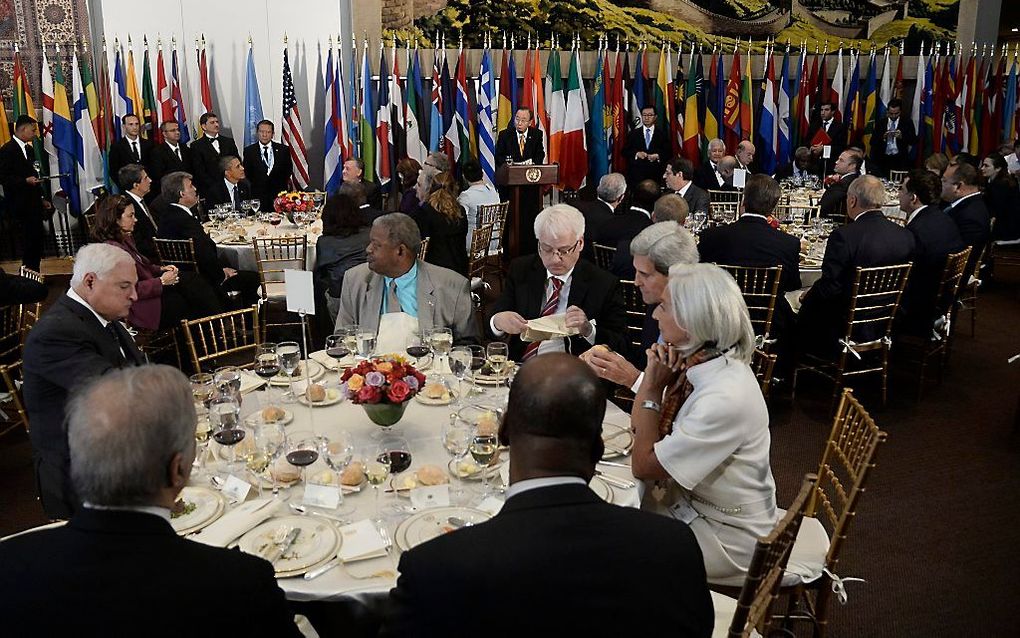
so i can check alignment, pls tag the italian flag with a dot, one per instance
(557, 107)
(574, 148)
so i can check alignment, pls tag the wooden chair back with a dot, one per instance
(423, 249)
(801, 213)
(10, 333)
(17, 416)
(604, 255)
(211, 340)
(30, 313)
(636, 310)
(480, 239)
(760, 288)
(753, 616)
(950, 283)
(763, 364)
(723, 212)
(874, 299)
(177, 252)
(897, 177)
(273, 255)
(89, 220)
(728, 197)
(494, 215)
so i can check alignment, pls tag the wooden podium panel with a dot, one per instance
(523, 177)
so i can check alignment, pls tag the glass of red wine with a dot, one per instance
(398, 452)
(302, 451)
(337, 349)
(224, 418)
(417, 347)
(267, 366)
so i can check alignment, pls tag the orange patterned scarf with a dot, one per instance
(677, 393)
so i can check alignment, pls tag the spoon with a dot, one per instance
(458, 522)
(301, 509)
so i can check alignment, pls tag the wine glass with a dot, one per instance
(202, 432)
(336, 347)
(377, 470)
(496, 356)
(224, 418)
(270, 439)
(441, 340)
(350, 335)
(456, 439)
(460, 363)
(229, 376)
(483, 449)
(290, 357)
(202, 389)
(477, 361)
(246, 207)
(398, 451)
(256, 204)
(302, 451)
(417, 347)
(338, 452)
(365, 340)
(267, 366)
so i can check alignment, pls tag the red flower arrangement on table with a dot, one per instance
(382, 380)
(293, 202)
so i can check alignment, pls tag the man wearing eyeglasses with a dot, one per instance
(555, 282)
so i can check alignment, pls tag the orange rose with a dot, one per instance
(355, 382)
(384, 366)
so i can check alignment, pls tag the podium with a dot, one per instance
(523, 180)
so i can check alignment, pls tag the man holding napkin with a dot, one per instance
(553, 301)
(118, 568)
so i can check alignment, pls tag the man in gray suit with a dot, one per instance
(395, 280)
(679, 173)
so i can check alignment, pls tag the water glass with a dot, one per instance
(365, 340)
(460, 364)
(290, 358)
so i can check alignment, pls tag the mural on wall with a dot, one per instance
(29, 24)
(853, 22)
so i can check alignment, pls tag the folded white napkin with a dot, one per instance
(361, 540)
(250, 382)
(548, 327)
(327, 361)
(236, 522)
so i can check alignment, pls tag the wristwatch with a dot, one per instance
(651, 405)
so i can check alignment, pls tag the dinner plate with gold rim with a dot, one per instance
(424, 526)
(318, 543)
(603, 489)
(466, 469)
(209, 506)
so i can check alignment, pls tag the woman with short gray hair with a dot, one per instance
(711, 433)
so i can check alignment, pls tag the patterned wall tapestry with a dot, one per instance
(29, 24)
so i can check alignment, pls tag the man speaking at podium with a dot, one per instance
(522, 144)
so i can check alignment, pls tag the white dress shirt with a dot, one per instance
(553, 345)
(538, 483)
(953, 205)
(266, 153)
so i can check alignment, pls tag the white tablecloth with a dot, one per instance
(241, 256)
(421, 426)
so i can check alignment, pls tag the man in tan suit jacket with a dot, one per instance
(394, 276)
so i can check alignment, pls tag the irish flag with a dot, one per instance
(574, 148)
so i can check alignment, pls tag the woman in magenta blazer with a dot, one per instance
(165, 295)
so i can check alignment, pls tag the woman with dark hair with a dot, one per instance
(1002, 197)
(443, 221)
(407, 171)
(165, 295)
(341, 247)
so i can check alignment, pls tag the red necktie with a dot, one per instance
(549, 308)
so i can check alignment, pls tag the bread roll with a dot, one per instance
(431, 475)
(315, 393)
(353, 474)
(488, 424)
(272, 414)
(284, 471)
(436, 391)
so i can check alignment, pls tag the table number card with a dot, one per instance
(739, 177)
(235, 489)
(430, 496)
(826, 152)
(300, 291)
(325, 496)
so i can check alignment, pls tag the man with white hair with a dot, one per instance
(707, 176)
(654, 251)
(869, 240)
(555, 282)
(745, 158)
(80, 337)
(118, 567)
(610, 193)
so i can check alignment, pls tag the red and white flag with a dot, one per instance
(292, 135)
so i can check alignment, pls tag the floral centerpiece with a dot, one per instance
(382, 386)
(289, 203)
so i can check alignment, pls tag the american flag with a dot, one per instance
(292, 135)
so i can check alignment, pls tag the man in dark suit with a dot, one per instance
(647, 149)
(892, 139)
(935, 238)
(23, 190)
(113, 568)
(802, 166)
(179, 221)
(745, 158)
(170, 156)
(706, 177)
(556, 552)
(968, 209)
(827, 132)
(834, 203)
(78, 338)
(628, 221)
(132, 148)
(557, 282)
(522, 144)
(15, 289)
(354, 173)
(135, 182)
(611, 192)
(677, 176)
(232, 188)
(869, 240)
(207, 151)
(267, 165)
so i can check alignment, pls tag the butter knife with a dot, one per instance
(319, 571)
(614, 481)
(280, 548)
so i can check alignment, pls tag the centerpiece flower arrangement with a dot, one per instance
(293, 202)
(382, 387)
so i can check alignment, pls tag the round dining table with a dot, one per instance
(234, 240)
(421, 427)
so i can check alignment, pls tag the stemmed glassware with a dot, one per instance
(477, 362)
(290, 358)
(496, 354)
(338, 452)
(267, 366)
(441, 340)
(224, 417)
(270, 439)
(229, 376)
(202, 389)
(460, 364)
(483, 449)
(456, 439)
(245, 207)
(256, 204)
(417, 347)
(365, 342)
(337, 349)
(377, 470)
(302, 451)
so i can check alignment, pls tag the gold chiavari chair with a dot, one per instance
(30, 312)
(751, 612)
(635, 309)
(846, 464)
(477, 258)
(723, 212)
(13, 403)
(797, 213)
(760, 287)
(874, 299)
(763, 364)
(273, 255)
(604, 255)
(968, 299)
(727, 197)
(230, 338)
(494, 215)
(89, 220)
(423, 248)
(177, 252)
(897, 177)
(10, 333)
(935, 344)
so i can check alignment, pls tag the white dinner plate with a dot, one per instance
(255, 418)
(315, 370)
(618, 441)
(601, 488)
(492, 379)
(317, 544)
(209, 506)
(467, 470)
(424, 400)
(424, 526)
(337, 397)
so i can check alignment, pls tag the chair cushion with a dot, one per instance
(808, 556)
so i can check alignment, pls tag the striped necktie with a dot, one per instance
(549, 308)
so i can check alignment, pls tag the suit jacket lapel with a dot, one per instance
(578, 284)
(535, 288)
(369, 315)
(426, 294)
(109, 348)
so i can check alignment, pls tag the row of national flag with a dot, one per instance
(963, 101)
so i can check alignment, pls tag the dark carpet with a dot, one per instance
(937, 533)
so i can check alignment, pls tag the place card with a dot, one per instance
(739, 177)
(300, 291)
(326, 496)
(826, 152)
(430, 496)
(236, 489)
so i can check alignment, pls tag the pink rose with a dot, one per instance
(369, 394)
(399, 391)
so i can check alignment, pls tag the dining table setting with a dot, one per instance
(233, 232)
(298, 465)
